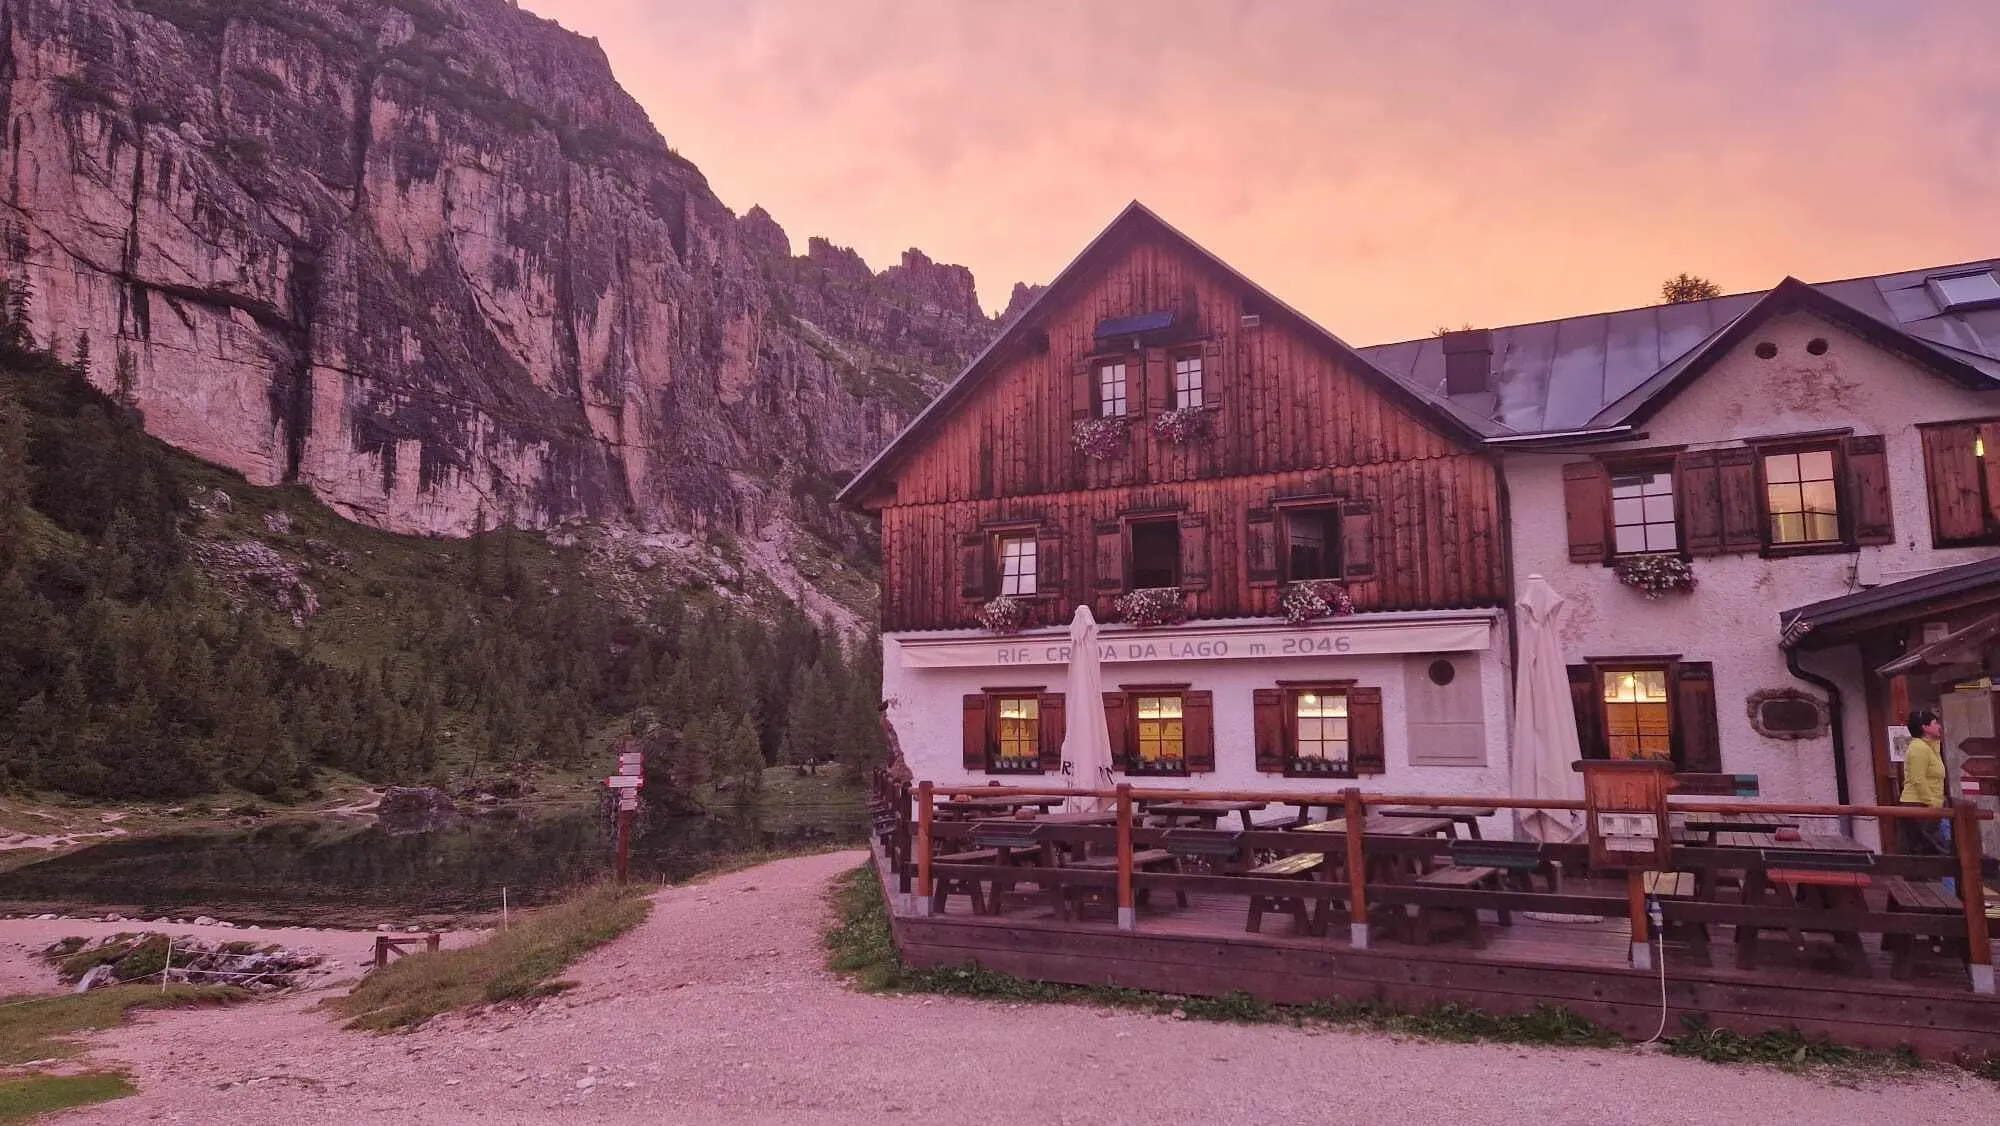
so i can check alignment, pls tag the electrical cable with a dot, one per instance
(1657, 919)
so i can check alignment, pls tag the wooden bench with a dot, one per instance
(1681, 885)
(1517, 861)
(968, 886)
(1143, 860)
(1297, 866)
(1455, 876)
(1919, 897)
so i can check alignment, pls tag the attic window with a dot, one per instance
(1966, 291)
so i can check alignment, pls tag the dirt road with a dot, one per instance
(716, 1012)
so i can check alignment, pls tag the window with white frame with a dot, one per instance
(1111, 389)
(1642, 511)
(1017, 565)
(1187, 381)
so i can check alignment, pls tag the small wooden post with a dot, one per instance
(1357, 869)
(1128, 912)
(900, 849)
(381, 950)
(1972, 892)
(1635, 905)
(431, 941)
(923, 846)
(624, 839)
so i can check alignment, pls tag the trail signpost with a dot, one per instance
(625, 786)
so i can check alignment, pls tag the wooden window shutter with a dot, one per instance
(1110, 557)
(1698, 499)
(1194, 551)
(1989, 433)
(1053, 721)
(1117, 720)
(1157, 382)
(975, 732)
(1694, 718)
(1742, 507)
(1587, 502)
(1211, 371)
(972, 567)
(1260, 545)
(1952, 472)
(1198, 726)
(1365, 751)
(1049, 560)
(1589, 716)
(1357, 540)
(1868, 488)
(1268, 711)
(1084, 396)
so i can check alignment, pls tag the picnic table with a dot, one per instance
(1015, 842)
(1207, 812)
(1465, 815)
(1827, 872)
(966, 806)
(1708, 825)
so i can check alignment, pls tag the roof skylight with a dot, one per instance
(1964, 291)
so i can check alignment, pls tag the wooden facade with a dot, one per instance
(1292, 417)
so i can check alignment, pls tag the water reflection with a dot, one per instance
(316, 870)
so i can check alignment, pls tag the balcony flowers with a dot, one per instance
(1182, 426)
(1152, 606)
(1100, 438)
(1315, 598)
(1654, 575)
(1003, 614)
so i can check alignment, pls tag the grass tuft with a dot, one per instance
(517, 964)
(43, 1027)
(23, 1100)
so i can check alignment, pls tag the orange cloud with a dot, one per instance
(1386, 167)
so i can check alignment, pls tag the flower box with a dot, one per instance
(1315, 598)
(1003, 614)
(1184, 425)
(1654, 575)
(1100, 438)
(1152, 606)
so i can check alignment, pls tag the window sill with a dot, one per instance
(1784, 550)
(1155, 772)
(1293, 771)
(1015, 770)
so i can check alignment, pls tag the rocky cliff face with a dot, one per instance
(432, 262)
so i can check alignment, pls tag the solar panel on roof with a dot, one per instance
(1135, 325)
(1967, 290)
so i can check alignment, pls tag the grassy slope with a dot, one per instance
(46, 1028)
(511, 965)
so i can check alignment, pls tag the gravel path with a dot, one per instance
(716, 1012)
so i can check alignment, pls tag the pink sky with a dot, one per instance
(1387, 167)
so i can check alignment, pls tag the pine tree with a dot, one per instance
(14, 485)
(82, 361)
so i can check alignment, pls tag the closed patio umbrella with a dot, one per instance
(1545, 741)
(1086, 739)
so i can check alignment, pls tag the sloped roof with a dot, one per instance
(1581, 373)
(1822, 621)
(1452, 418)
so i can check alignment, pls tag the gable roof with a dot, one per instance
(1605, 370)
(1453, 418)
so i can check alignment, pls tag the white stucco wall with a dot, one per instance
(1731, 618)
(926, 703)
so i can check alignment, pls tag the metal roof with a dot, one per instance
(1135, 325)
(1568, 374)
(1894, 600)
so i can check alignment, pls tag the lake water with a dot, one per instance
(327, 871)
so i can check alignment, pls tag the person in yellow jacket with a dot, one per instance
(1923, 784)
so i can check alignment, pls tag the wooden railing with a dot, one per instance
(912, 835)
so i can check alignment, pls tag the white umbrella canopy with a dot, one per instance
(1545, 741)
(1086, 738)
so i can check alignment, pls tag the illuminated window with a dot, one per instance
(1017, 735)
(1187, 382)
(1319, 732)
(1642, 512)
(1111, 389)
(1017, 565)
(1800, 499)
(1160, 731)
(1638, 714)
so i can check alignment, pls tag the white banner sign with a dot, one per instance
(631, 758)
(632, 769)
(622, 782)
(1274, 641)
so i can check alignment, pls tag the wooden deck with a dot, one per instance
(1203, 949)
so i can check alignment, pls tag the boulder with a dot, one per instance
(414, 809)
